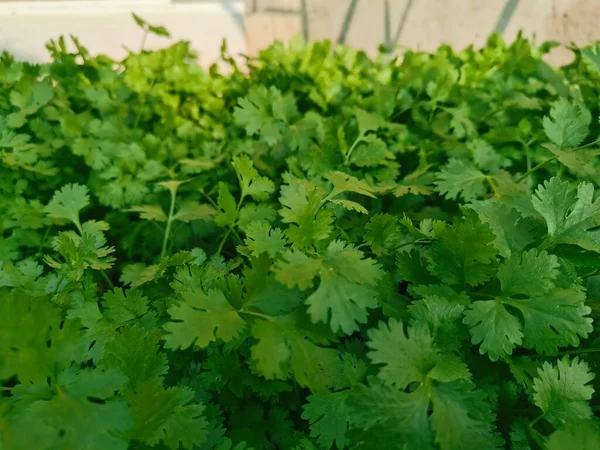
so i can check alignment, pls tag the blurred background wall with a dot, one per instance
(106, 26)
(421, 24)
(249, 25)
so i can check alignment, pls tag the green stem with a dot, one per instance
(236, 235)
(597, 141)
(325, 200)
(406, 244)
(579, 351)
(536, 167)
(537, 437)
(433, 110)
(543, 163)
(352, 147)
(168, 227)
(43, 241)
(490, 181)
(78, 225)
(528, 159)
(107, 279)
(231, 228)
(536, 420)
(144, 37)
(212, 202)
(60, 281)
(589, 274)
(546, 243)
(257, 314)
(490, 113)
(223, 240)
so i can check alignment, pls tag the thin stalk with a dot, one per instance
(433, 110)
(579, 351)
(352, 147)
(546, 243)
(108, 281)
(553, 158)
(230, 229)
(528, 159)
(490, 181)
(43, 241)
(144, 37)
(536, 420)
(537, 437)
(169, 222)
(78, 225)
(406, 244)
(597, 141)
(490, 113)
(536, 167)
(236, 235)
(60, 281)
(257, 314)
(223, 240)
(326, 199)
(589, 274)
(212, 202)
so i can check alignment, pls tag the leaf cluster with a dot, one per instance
(317, 250)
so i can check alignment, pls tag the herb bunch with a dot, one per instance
(317, 250)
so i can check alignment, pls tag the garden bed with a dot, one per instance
(315, 250)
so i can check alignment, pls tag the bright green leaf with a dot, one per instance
(568, 124)
(562, 391)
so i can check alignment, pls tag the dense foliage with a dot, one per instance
(316, 250)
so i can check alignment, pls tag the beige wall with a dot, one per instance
(421, 24)
(106, 26)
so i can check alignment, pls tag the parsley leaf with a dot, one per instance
(459, 177)
(68, 202)
(345, 290)
(328, 418)
(584, 434)
(306, 248)
(411, 358)
(570, 216)
(283, 349)
(202, 318)
(463, 253)
(568, 124)
(562, 391)
(531, 273)
(260, 237)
